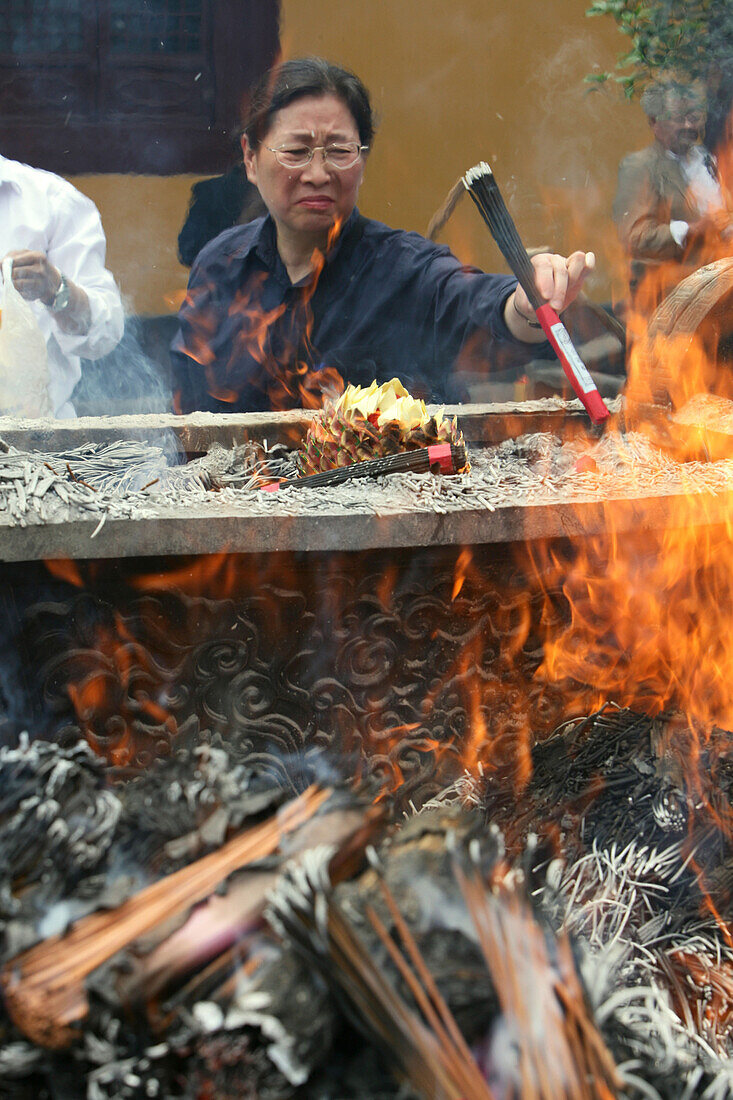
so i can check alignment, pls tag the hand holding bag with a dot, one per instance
(23, 355)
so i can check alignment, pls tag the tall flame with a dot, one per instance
(278, 340)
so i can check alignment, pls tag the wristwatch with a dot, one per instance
(62, 296)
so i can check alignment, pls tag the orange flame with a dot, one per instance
(115, 692)
(290, 374)
(645, 624)
(464, 561)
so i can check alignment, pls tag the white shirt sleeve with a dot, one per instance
(77, 247)
(679, 231)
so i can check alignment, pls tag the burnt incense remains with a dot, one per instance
(559, 940)
(422, 1039)
(489, 957)
(44, 988)
(639, 812)
(481, 185)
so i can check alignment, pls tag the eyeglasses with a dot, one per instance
(693, 113)
(692, 118)
(339, 155)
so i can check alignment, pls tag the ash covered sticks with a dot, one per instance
(44, 987)
(481, 185)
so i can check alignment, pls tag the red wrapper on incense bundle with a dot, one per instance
(482, 187)
(444, 458)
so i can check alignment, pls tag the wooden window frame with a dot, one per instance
(243, 42)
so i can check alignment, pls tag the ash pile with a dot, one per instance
(132, 480)
(198, 932)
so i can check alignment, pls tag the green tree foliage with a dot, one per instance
(690, 37)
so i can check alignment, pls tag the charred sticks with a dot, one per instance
(44, 987)
(431, 1055)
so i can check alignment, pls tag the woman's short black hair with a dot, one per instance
(303, 76)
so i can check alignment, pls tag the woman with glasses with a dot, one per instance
(275, 308)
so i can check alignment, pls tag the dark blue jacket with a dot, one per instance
(386, 302)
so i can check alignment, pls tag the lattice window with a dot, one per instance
(155, 26)
(42, 26)
(129, 85)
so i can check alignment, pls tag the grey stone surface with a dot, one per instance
(196, 432)
(540, 486)
(204, 530)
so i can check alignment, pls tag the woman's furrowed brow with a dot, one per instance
(310, 135)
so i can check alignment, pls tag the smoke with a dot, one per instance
(13, 712)
(569, 114)
(21, 708)
(56, 919)
(135, 377)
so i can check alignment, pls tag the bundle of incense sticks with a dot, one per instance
(444, 458)
(44, 987)
(482, 187)
(426, 1046)
(558, 1048)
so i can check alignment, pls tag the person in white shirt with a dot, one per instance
(55, 238)
(671, 209)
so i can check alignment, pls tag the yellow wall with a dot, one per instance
(453, 83)
(496, 80)
(142, 217)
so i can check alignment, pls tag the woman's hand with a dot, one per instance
(558, 280)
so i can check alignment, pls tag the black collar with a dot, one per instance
(264, 241)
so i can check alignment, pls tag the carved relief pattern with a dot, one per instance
(366, 663)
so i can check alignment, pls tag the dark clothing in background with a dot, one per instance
(652, 192)
(386, 303)
(719, 128)
(217, 204)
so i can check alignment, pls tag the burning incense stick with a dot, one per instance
(429, 1055)
(44, 987)
(444, 458)
(481, 185)
(452, 1046)
(566, 1056)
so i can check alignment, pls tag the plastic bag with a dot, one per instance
(23, 355)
